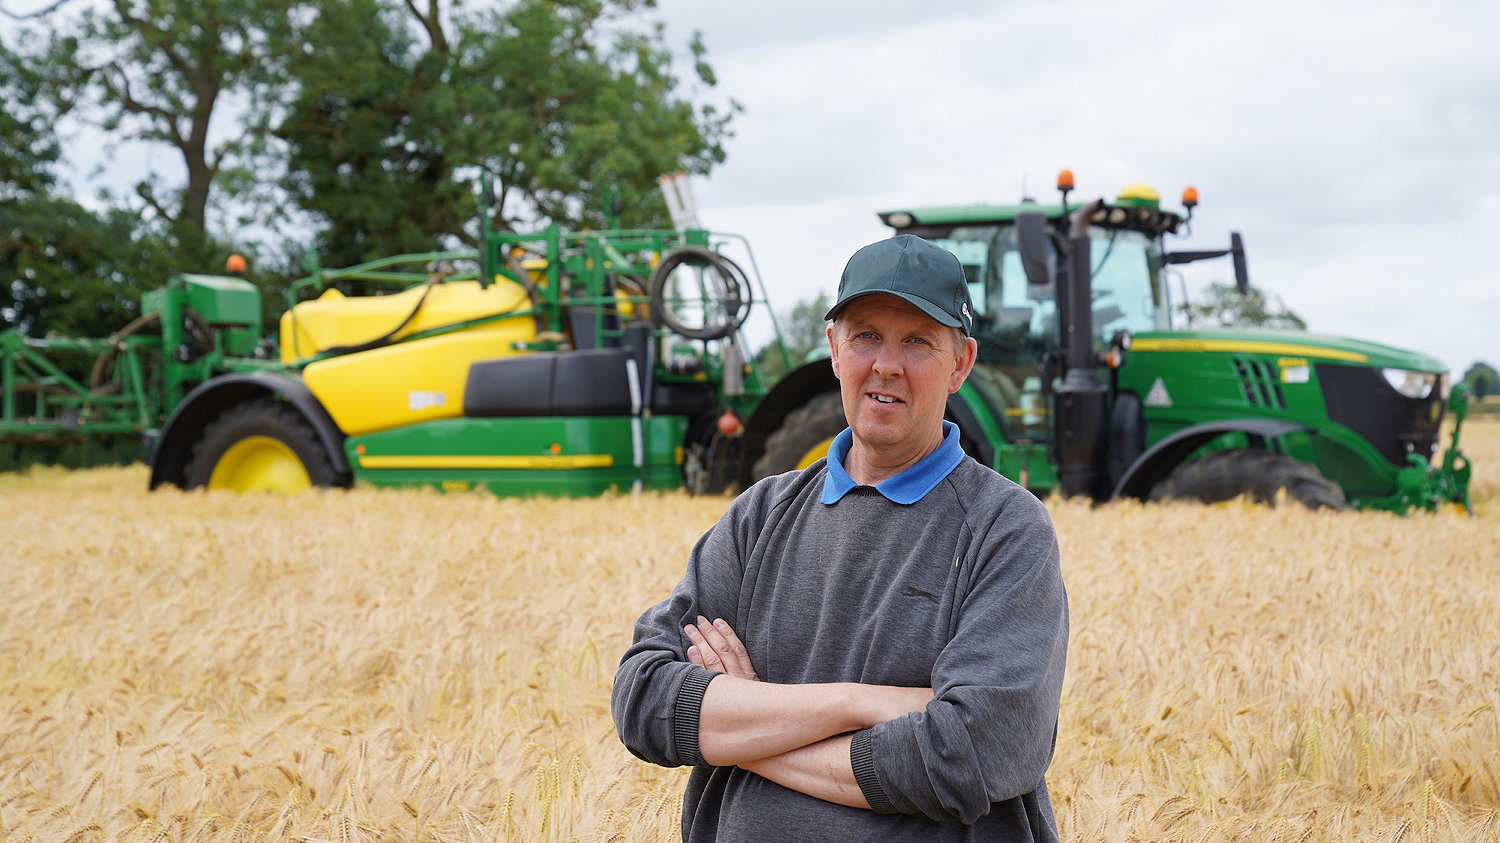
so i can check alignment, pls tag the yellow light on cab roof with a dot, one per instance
(1140, 192)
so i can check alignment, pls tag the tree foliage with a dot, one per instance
(28, 149)
(161, 72)
(1224, 307)
(361, 126)
(63, 267)
(398, 110)
(1482, 379)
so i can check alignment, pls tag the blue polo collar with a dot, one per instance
(907, 486)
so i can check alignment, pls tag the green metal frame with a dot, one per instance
(586, 259)
(152, 370)
(61, 403)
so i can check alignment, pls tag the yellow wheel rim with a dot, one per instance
(258, 463)
(815, 453)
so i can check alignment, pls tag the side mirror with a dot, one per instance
(1032, 241)
(1241, 271)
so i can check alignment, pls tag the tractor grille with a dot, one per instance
(1259, 383)
(1360, 399)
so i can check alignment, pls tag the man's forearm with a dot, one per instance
(820, 770)
(743, 720)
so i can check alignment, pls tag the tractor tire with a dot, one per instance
(803, 436)
(1254, 473)
(261, 445)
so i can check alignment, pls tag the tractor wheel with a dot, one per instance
(1257, 474)
(804, 436)
(261, 445)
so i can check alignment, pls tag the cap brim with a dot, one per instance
(937, 314)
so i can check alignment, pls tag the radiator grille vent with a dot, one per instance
(1259, 383)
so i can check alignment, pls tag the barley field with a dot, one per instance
(402, 665)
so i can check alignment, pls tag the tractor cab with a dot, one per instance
(1016, 320)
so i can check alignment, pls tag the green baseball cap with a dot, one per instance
(927, 277)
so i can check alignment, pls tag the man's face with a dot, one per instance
(896, 367)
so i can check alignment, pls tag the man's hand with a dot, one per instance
(716, 647)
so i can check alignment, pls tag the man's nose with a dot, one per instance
(888, 360)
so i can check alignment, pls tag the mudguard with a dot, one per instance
(174, 447)
(1153, 466)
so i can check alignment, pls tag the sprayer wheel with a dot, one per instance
(261, 445)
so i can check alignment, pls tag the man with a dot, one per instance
(871, 648)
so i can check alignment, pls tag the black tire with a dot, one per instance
(710, 460)
(263, 417)
(1256, 474)
(822, 417)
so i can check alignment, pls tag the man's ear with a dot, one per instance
(963, 364)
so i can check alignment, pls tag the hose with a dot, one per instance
(101, 371)
(732, 293)
(385, 338)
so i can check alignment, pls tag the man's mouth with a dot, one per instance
(884, 399)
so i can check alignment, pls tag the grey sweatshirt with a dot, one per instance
(960, 591)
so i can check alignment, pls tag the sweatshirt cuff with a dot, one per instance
(685, 714)
(862, 759)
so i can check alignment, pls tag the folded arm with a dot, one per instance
(743, 719)
(821, 770)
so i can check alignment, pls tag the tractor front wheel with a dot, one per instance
(261, 445)
(804, 436)
(1257, 474)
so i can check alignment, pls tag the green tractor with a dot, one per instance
(1082, 386)
(551, 362)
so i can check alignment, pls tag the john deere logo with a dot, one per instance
(967, 317)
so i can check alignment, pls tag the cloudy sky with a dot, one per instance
(1354, 144)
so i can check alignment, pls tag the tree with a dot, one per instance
(399, 109)
(1224, 307)
(1482, 379)
(64, 268)
(28, 149)
(160, 71)
(802, 330)
(371, 118)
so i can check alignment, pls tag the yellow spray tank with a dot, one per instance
(403, 383)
